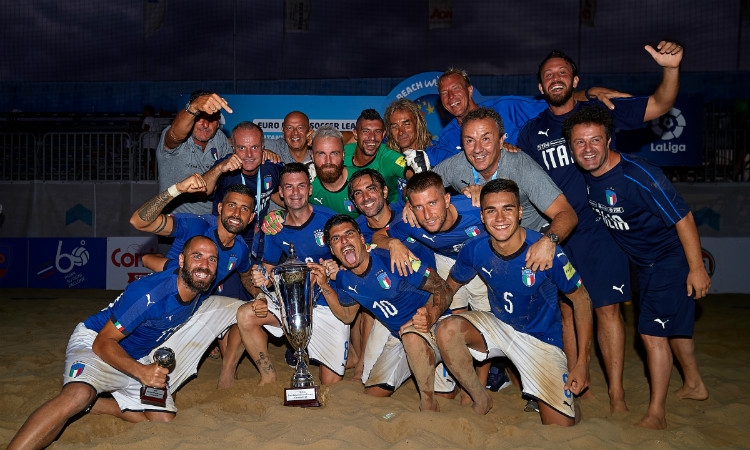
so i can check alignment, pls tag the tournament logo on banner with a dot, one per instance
(674, 139)
(67, 263)
(422, 89)
(268, 111)
(124, 264)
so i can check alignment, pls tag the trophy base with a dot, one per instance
(153, 396)
(302, 397)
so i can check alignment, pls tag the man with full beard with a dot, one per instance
(235, 213)
(111, 351)
(601, 262)
(329, 188)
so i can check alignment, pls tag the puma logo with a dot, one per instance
(432, 239)
(148, 300)
(619, 289)
(319, 200)
(353, 289)
(546, 133)
(661, 323)
(560, 254)
(488, 272)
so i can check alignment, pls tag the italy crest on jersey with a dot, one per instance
(611, 197)
(528, 277)
(76, 369)
(410, 240)
(319, 238)
(267, 180)
(232, 262)
(383, 279)
(415, 264)
(472, 231)
(349, 206)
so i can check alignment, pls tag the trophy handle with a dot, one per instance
(272, 298)
(316, 295)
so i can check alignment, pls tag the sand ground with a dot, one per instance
(35, 326)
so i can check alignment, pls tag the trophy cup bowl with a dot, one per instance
(164, 357)
(294, 291)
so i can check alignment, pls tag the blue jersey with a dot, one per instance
(396, 210)
(179, 241)
(147, 313)
(268, 174)
(236, 257)
(542, 139)
(449, 242)
(640, 206)
(523, 299)
(391, 298)
(514, 110)
(309, 244)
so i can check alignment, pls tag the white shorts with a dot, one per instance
(543, 367)
(329, 344)
(189, 343)
(386, 365)
(473, 293)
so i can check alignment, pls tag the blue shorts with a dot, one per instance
(666, 309)
(603, 265)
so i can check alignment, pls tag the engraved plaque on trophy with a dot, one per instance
(164, 357)
(294, 291)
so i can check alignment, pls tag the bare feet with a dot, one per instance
(654, 423)
(225, 382)
(699, 392)
(617, 406)
(432, 405)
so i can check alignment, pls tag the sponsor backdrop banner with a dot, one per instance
(14, 262)
(124, 259)
(674, 139)
(67, 263)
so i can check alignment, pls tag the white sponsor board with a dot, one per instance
(124, 259)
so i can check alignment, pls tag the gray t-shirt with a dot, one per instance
(280, 147)
(184, 160)
(537, 189)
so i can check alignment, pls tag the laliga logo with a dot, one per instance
(669, 126)
(708, 261)
(78, 257)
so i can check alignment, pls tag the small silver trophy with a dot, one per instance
(164, 357)
(294, 292)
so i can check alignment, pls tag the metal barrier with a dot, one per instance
(85, 156)
(17, 156)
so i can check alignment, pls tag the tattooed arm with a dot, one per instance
(149, 218)
(439, 301)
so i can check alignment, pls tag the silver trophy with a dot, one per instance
(296, 299)
(164, 357)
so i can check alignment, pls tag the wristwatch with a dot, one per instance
(552, 237)
(192, 113)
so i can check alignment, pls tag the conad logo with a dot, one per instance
(126, 258)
